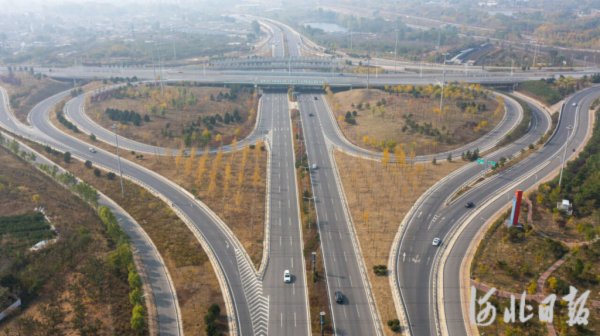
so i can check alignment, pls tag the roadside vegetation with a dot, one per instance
(192, 273)
(233, 185)
(25, 89)
(516, 259)
(379, 196)
(181, 113)
(550, 90)
(77, 283)
(411, 115)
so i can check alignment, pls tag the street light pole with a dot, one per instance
(562, 166)
(114, 127)
(443, 81)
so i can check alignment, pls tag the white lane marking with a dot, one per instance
(335, 215)
(358, 312)
(340, 233)
(345, 313)
(292, 263)
(291, 242)
(280, 240)
(420, 213)
(281, 318)
(350, 280)
(339, 282)
(403, 256)
(294, 289)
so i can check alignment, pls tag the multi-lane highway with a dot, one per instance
(344, 266)
(416, 266)
(432, 218)
(300, 78)
(288, 302)
(260, 302)
(570, 134)
(511, 119)
(231, 263)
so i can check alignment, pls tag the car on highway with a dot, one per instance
(316, 98)
(313, 166)
(92, 150)
(339, 297)
(287, 276)
(436, 241)
(311, 115)
(575, 104)
(469, 205)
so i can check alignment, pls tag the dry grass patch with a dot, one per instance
(410, 115)
(379, 196)
(196, 116)
(192, 273)
(69, 287)
(25, 90)
(233, 185)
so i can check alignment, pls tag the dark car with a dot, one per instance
(316, 98)
(339, 297)
(469, 205)
(311, 115)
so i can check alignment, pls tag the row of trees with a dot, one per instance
(121, 262)
(126, 116)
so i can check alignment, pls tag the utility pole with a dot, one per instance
(396, 52)
(114, 127)
(562, 166)
(512, 65)
(443, 81)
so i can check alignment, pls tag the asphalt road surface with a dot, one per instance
(432, 218)
(341, 259)
(288, 302)
(544, 162)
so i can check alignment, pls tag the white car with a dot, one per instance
(574, 104)
(287, 276)
(314, 166)
(92, 150)
(436, 241)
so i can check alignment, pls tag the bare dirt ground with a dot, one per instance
(385, 119)
(379, 196)
(176, 115)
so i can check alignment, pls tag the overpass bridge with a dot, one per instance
(276, 63)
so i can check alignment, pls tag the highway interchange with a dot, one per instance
(260, 302)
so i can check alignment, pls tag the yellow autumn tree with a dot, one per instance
(189, 163)
(201, 168)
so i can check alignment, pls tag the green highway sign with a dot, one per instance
(481, 161)
(492, 163)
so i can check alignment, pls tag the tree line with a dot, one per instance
(126, 116)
